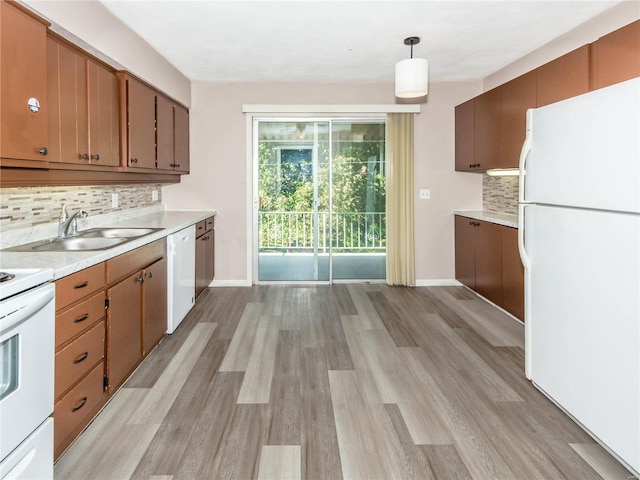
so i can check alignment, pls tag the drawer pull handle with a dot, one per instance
(81, 358)
(82, 402)
(82, 285)
(82, 318)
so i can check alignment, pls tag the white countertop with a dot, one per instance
(500, 218)
(66, 263)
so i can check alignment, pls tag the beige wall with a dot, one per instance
(91, 26)
(219, 175)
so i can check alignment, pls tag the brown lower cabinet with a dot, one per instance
(487, 261)
(205, 251)
(108, 317)
(80, 351)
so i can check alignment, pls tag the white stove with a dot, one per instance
(27, 343)
(18, 280)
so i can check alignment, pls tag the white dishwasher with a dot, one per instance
(181, 275)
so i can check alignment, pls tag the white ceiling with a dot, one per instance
(346, 41)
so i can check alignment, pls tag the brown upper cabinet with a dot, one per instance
(518, 96)
(490, 128)
(23, 76)
(155, 127)
(83, 96)
(564, 77)
(616, 56)
(464, 131)
(139, 111)
(487, 114)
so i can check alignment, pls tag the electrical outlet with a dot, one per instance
(154, 195)
(425, 194)
(114, 200)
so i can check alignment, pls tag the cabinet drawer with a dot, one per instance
(73, 321)
(209, 224)
(137, 259)
(74, 410)
(77, 358)
(201, 227)
(80, 284)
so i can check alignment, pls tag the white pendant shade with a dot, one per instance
(412, 78)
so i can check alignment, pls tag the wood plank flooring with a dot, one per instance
(330, 382)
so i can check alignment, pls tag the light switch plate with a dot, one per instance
(114, 200)
(154, 195)
(425, 194)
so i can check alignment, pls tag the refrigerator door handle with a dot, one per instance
(526, 262)
(524, 153)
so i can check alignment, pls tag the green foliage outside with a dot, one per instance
(358, 187)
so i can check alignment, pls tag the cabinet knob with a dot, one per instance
(149, 274)
(134, 160)
(141, 279)
(96, 157)
(84, 156)
(43, 151)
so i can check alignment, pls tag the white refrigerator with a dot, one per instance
(579, 239)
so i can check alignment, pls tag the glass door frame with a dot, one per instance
(329, 119)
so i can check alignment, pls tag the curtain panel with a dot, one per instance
(400, 244)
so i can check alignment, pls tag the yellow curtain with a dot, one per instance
(400, 248)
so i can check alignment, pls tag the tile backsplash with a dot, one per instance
(500, 194)
(24, 207)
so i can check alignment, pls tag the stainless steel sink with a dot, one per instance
(79, 243)
(87, 240)
(114, 232)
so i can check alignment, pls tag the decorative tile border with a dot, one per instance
(500, 194)
(26, 207)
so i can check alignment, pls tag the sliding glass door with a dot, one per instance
(320, 200)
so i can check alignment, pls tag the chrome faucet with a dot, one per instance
(69, 222)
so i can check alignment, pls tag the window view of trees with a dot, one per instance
(285, 177)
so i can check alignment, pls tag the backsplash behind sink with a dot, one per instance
(24, 207)
(500, 194)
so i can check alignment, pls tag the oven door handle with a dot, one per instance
(37, 301)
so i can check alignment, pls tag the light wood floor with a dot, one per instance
(359, 381)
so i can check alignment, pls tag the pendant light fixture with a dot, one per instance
(412, 74)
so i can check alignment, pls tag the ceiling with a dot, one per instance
(346, 41)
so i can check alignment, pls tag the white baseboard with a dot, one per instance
(438, 282)
(230, 283)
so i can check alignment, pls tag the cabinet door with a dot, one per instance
(564, 77)
(210, 257)
(124, 329)
(165, 133)
(154, 301)
(103, 116)
(23, 75)
(201, 264)
(616, 56)
(464, 251)
(141, 107)
(487, 130)
(73, 110)
(181, 124)
(464, 132)
(518, 95)
(512, 274)
(488, 252)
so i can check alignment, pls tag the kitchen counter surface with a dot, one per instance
(66, 263)
(493, 217)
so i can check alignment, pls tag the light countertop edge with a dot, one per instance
(500, 218)
(66, 263)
